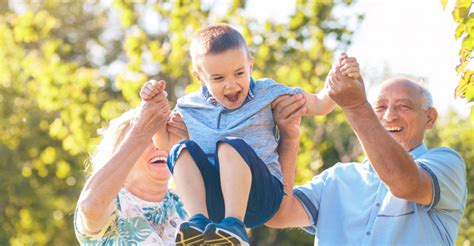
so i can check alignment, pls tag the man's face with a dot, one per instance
(227, 76)
(399, 107)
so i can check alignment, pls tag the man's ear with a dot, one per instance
(432, 114)
(198, 77)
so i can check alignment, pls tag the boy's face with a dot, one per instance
(227, 76)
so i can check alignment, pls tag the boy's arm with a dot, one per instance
(176, 129)
(321, 103)
(155, 90)
(161, 139)
(171, 133)
(164, 139)
(318, 104)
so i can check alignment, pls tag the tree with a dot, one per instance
(52, 103)
(464, 17)
(58, 86)
(293, 53)
(458, 133)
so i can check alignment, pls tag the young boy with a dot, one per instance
(228, 174)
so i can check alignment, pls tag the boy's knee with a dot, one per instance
(228, 147)
(180, 151)
(225, 149)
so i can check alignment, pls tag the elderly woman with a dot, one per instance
(126, 200)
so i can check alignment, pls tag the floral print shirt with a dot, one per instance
(137, 222)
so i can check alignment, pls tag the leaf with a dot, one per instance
(459, 30)
(443, 3)
(461, 10)
(461, 88)
(468, 76)
(466, 83)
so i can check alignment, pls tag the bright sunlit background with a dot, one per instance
(413, 38)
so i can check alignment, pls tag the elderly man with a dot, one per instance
(402, 194)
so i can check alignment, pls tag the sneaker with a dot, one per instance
(230, 231)
(191, 232)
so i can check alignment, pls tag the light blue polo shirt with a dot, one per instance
(349, 205)
(208, 121)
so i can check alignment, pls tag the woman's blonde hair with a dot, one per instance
(112, 136)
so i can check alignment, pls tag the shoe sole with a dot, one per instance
(189, 236)
(225, 238)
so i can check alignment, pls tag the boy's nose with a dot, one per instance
(231, 84)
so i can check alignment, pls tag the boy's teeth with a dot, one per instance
(233, 97)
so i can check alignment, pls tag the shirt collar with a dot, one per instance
(206, 94)
(418, 151)
(415, 153)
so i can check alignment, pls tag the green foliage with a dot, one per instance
(292, 53)
(50, 111)
(458, 134)
(464, 17)
(57, 90)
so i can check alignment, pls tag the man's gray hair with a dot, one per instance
(427, 97)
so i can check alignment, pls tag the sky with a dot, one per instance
(403, 37)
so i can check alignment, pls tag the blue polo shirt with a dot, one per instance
(208, 121)
(349, 205)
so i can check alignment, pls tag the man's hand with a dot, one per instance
(287, 112)
(343, 89)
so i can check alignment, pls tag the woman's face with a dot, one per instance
(152, 164)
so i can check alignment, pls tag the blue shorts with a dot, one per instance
(266, 192)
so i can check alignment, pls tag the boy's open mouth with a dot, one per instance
(233, 97)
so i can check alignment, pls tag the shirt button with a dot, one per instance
(367, 233)
(378, 204)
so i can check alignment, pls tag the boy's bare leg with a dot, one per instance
(190, 185)
(236, 179)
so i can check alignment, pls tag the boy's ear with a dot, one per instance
(198, 77)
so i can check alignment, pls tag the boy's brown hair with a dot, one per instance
(215, 39)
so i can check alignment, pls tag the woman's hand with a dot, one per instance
(152, 114)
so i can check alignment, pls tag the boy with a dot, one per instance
(228, 172)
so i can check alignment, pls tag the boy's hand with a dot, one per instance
(151, 88)
(348, 66)
(345, 91)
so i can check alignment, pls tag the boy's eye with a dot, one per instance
(217, 78)
(240, 73)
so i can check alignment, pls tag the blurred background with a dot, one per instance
(68, 67)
